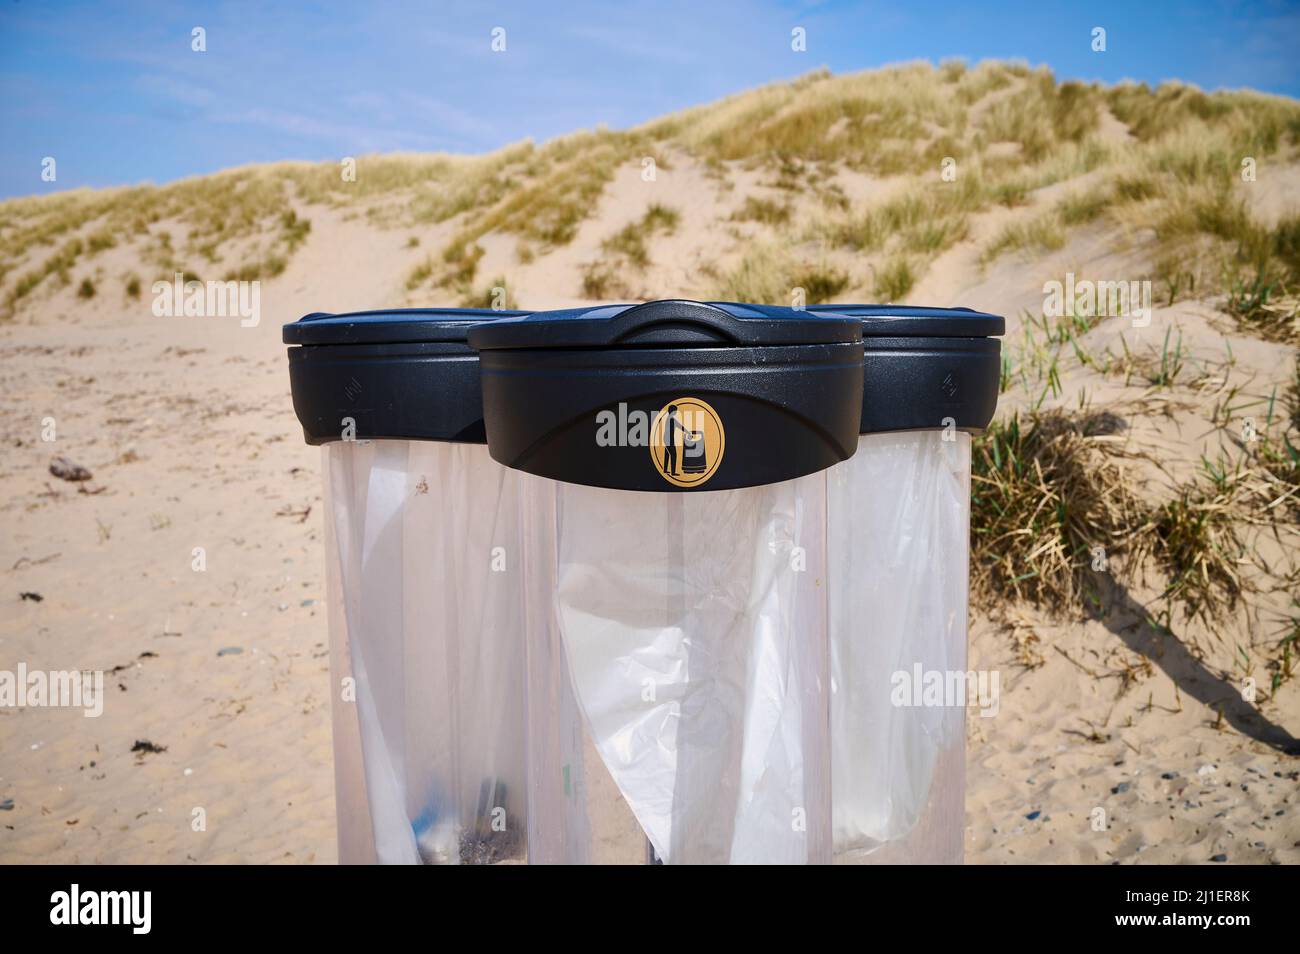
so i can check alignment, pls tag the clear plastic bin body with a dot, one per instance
(426, 658)
(679, 710)
(726, 677)
(898, 549)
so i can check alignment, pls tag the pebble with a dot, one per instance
(230, 650)
(1032, 815)
(65, 469)
(1219, 858)
(1120, 789)
(1207, 769)
(6, 805)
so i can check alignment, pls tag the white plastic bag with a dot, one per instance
(898, 553)
(693, 630)
(426, 539)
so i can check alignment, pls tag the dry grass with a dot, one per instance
(1046, 490)
(1277, 458)
(1053, 505)
(1196, 542)
(775, 275)
(1265, 301)
(1043, 233)
(548, 210)
(626, 253)
(1048, 486)
(1051, 485)
(766, 211)
(59, 264)
(1153, 114)
(889, 121)
(415, 188)
(1181, 178)
(894, 280)
(926, 219)
(630, 242)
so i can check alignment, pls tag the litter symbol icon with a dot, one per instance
(687, 441)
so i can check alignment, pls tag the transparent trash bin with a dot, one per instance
(733, 557)
(898, 545)
(425, 593)
(675, 548)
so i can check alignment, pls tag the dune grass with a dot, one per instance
(774, 274)
(630, 242)
(1052, 507)
(1196, 541)
(1044, 494)
(1182, 179)
(884, 120)
(894, 280)
(766, 211)
(1051, 485)
(626, 253)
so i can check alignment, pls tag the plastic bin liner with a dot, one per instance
(425, 535)
(898, 551)
(356, 840)
(691, 626)
(559, 830)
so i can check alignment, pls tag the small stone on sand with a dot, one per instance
(65, 469)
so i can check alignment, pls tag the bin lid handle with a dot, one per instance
(652, 317)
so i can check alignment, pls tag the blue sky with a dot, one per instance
(116, 95)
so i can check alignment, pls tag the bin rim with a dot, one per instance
(390, 325)
(918, 321)
(674, 322)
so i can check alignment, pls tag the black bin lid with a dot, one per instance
(388, 326)
(926, 368)
(920, 321)
(671, 395)
(669, 323)
(403, 374)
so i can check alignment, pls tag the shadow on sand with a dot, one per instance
(1131, 622)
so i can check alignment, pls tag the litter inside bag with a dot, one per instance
(424, 533)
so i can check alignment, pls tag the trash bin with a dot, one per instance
(898, 516)
(674, 499)
(425, 594)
